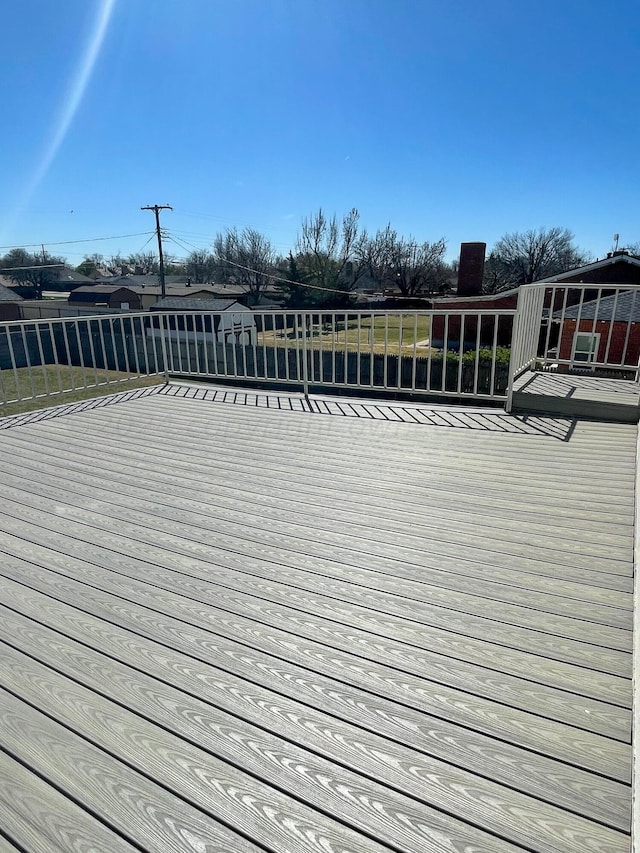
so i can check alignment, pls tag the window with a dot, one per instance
(585, 347)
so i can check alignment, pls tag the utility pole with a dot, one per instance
(156, 209)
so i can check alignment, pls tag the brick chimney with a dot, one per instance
(471, 268)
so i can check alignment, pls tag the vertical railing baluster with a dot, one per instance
(414, 365)
(445, 350)
(494, 354)
(628, 331)
(461, 352)
(477, 364)
(614, 312)
(27, 355)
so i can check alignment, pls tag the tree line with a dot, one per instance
(333, 257)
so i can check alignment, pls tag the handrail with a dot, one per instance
(434, 352)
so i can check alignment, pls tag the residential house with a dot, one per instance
(618, 268)
(107, 296)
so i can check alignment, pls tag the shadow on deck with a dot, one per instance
(592, 397)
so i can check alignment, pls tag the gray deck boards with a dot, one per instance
(231, 623)
(578, 395)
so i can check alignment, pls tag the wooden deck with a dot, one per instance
(231, 623)
(577, 396)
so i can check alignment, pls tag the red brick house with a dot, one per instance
(492, 302)
(618, 268)
(609, 319)
(605, 330)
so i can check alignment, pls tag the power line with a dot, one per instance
(171, 236)
(146, 243)
(85, 240)
(35, 267)
(311, 286)
(288, 280)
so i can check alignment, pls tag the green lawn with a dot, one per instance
(399, 331)
(63, 384)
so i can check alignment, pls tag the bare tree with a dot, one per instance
(327, 254)
(200, 266)
(405, 264)
(143, 263)
(37, 272)
(520, 258)
(116, 265)
(245, 257)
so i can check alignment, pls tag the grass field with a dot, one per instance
(399, 332)
(62, 385)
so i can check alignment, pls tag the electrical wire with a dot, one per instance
(146, 243)
(85, 240)
(35, 267)
(288, 280)
(175, 240)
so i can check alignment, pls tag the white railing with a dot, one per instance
(524, 347)
(577, 327)
(436, 353)
(45, 358)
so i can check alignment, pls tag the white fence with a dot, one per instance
(429, 353)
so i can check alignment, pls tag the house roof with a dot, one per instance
(8, 295)
(183, 303)
(95, 289)
(611, 260)
(622, 308)
(69, 276)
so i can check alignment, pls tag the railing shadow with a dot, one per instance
(559, 428)
(65, 409)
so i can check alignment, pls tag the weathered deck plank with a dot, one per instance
(331, 730)
(417, 645)
(40, 819)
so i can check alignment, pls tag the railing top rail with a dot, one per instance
(349, 312)
(579, 285)
(341, 313)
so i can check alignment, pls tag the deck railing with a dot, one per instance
(577, 327)
(46, 358)
(432, 353)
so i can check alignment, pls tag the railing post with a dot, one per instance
(515, 341)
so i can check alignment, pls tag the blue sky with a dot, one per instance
(455, 118)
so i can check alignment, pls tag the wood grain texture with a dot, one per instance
(42, 820)
(223, 790)
(174, 498)
(421, 670)
(470, 609)
(362, 627)
(336, 724)
(143, 810)
(300, 673)
(388, 780)
(245, 500)
(270, 600)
